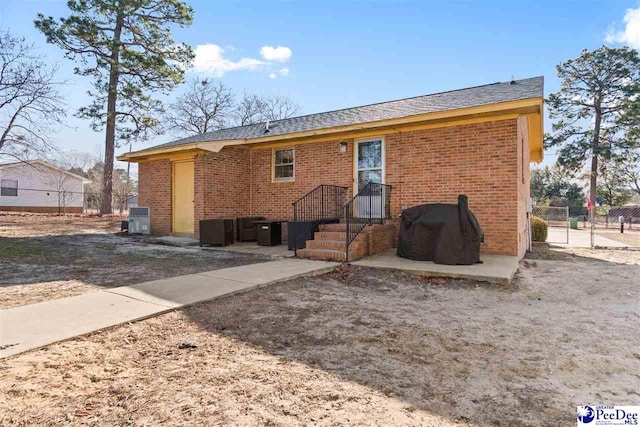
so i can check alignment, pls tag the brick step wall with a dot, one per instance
(330, 242)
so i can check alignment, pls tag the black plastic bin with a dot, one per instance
(247, 228)
(269, 233)
(216, 232)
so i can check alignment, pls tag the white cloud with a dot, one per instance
(209, 58)
(631, 33)
(279, 53)
(283, 72)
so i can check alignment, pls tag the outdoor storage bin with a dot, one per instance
(269, 233)
(247, 228)
(216, 232)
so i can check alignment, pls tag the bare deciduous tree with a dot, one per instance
(123, 188)
(248, 110)
(76, 162)
(62, 185)
(204, 106)
(278, 108)
(29, 102)
(255, 109)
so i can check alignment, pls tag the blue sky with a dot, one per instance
(348, 53)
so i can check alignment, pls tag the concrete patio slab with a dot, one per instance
(32, 326)
(495, 268)
(177, 240)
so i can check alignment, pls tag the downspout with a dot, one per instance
(529, 232)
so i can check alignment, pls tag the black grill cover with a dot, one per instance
(442, 233)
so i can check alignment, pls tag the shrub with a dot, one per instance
(539, 229)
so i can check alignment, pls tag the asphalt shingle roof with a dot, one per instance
(461, 98)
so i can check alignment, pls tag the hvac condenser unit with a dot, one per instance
(139, 221)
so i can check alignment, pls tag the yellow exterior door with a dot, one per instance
(183, 197)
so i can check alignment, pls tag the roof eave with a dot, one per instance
(527, 105)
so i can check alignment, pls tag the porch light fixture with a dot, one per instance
(343, 146)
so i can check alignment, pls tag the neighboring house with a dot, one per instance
(477, 141)
(132, 201)
(40, 187)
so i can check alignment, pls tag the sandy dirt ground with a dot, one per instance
(14, 224)
(629, 237)
(47, 257)
(357, 347)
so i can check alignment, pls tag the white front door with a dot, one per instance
(369, 167)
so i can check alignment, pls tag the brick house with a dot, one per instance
(477, 141)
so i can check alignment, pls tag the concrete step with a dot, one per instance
(322, 254)
(332, 255)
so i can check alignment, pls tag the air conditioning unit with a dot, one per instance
(139, 220)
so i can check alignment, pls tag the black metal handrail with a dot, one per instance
(323, 203)
(371, 205)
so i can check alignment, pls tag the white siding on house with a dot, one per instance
(38, 185)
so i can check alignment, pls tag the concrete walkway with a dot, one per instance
(579, 239)
(32, 326)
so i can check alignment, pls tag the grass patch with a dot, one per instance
(19, 248)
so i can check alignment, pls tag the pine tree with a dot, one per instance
(596, 111)
(126, 47)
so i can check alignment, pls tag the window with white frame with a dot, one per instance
(284, 164)
(9, 187)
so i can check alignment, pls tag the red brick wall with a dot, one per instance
(382, 237)
(480, 160)
(315, 164)
(154, 190)
(427, 166)
(222, 184)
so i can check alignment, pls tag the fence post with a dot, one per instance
(593, 218)
(567, 225)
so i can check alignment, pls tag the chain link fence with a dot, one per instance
(558, 218)
(619, 223)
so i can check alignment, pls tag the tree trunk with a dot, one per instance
(594, 168)
(110, 138)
